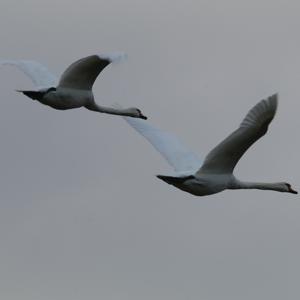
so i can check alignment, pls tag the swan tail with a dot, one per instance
(173, 179)
(35, 95)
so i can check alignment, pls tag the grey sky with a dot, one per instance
(82, 215)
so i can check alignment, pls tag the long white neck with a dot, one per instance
(276, 186)
(109, 110)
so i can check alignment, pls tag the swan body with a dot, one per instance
(200, 185)
(215, 174)
(74, 88)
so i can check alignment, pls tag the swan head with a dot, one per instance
(136, 113)
(288, 188)
(283, 187)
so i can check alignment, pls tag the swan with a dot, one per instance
(215, 174)
(74, 88)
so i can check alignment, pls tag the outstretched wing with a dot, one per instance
(39, 74)
(224, 157)
(82, 73)
(168, 145)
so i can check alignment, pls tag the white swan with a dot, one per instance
(216, 173)
(74, 89)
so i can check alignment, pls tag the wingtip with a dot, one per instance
(274, 96)
(114, 57)
(273, 100)
(7, 62)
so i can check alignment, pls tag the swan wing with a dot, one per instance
(38, 73)
(224, 157)
(82, 73)
(168, 145)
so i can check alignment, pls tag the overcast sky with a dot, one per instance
(82, 215)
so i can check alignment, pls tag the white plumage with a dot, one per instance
(167, 144)
(74, 88)
(39, 74)
(216, 172)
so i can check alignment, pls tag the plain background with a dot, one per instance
(82, 215)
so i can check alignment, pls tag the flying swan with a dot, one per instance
(74, 88)
(216, 172)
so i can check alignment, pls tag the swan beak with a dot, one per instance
(143, 117)
(292, 191)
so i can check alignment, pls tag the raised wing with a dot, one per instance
(82, 73)
(168, 145)
(39, 74)
(224, 157)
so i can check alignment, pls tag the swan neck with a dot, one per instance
(257, 185)
(108, 110)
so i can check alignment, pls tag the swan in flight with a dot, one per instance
(74, 88)
(215, 174)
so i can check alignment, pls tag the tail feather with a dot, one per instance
(174, 180)
(35, 95)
